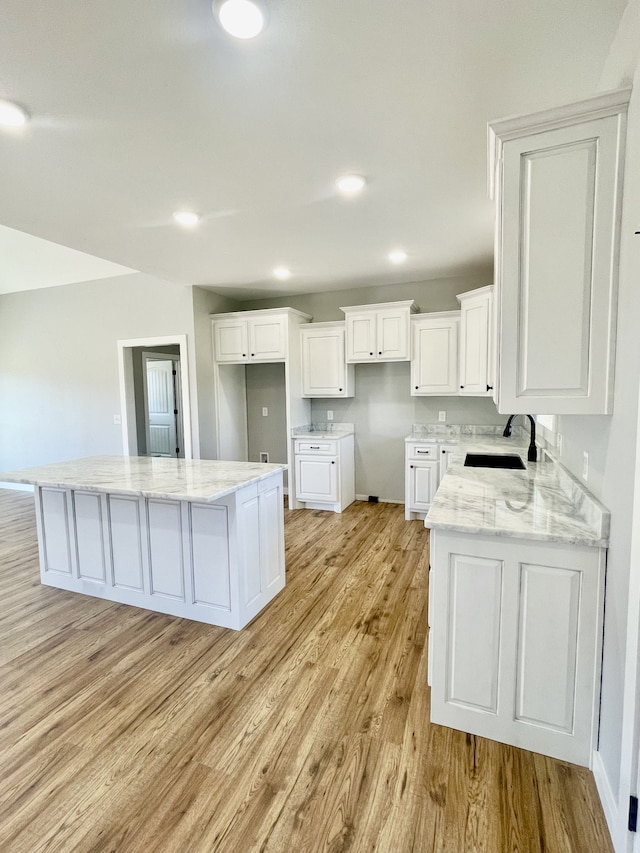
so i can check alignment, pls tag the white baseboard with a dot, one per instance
(380, 500)
(607, 799)
(18, 487)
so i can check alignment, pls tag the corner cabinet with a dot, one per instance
(325, 372)
(557, 179)
(477, 342)
(378, 332)
(434, 353)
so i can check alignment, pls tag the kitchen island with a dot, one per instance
(516, 594)
(193, 538)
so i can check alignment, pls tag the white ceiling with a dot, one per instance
(140, 108)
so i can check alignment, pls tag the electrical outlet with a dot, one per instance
(329, 415)
(585, 466)
(442, 417)
(117, 419)
(264, 456)
(559, 444)
(265, 411)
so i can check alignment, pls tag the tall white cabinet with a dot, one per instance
(242, 338)
(557, 179)
(477, 342)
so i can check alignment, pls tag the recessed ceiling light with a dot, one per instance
(187, 218)
(398, 256)
(350, 184)
(240, 18)
(282, 273)
(11, 115)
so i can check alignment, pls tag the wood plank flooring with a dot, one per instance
(125, 731)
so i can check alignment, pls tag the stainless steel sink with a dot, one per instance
(494, 460)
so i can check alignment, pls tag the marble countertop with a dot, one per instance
(543, 502)
(150, 477)
(330, 429)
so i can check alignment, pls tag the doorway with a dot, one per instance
(154, 394)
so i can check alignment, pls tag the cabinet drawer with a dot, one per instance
(321, 446)
(422, 451)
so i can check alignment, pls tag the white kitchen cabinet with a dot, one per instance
(379, 332)
(557, 179)
(422, 470)
(325, 472)
(325, 372)
(446, 452)
(259, 336)
(477, 342)
(516, 629)
(434, 353)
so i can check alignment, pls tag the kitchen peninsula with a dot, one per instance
(193, 538)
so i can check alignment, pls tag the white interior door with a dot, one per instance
(162, 406)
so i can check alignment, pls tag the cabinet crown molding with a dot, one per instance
(263, 312)
(381, 306)
(502, 130)
(480, 291)
(437, 315)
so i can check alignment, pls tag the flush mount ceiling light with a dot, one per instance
(282, 273)
(240, 18)
(398, 256)
(186, 218)
(350, 184)
(11, 115)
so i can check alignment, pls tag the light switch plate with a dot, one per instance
(117, 419)
(265, 411)
(329, 415)
(442, 417)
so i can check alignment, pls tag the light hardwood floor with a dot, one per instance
(128, 731)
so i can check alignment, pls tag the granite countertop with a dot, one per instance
(544, 502)
(149, 477)
(330, 429)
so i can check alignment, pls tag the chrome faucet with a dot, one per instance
(532, 454)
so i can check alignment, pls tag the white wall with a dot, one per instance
(611, 444)
(59, 385)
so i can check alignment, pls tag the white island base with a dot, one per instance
(218, 560)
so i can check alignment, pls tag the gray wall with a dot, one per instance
(204, 303)
(265, 387)
(59, 386)
(611, 444)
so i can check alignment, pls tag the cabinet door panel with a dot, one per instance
(361, 337)
(547, 646)
(230, 340)
(393, 335)
(473, 641)
(56, 546)
(317, 478)
(126, 543)
(165, 548)
(324, 371)
(434, 363)
(271, 528)
(474, 348)
(267, 338)
(252, 575)
(210, 556)
(87, 510)
(422, 484)
(558, 267)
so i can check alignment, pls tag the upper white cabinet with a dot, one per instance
(251, 336)
(325, 372)
(379, 332)
(434, 353)
(557, 179)
(477, 342)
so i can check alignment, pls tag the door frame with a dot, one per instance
(127, 395)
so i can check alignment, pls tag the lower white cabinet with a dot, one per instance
(422, 477)
(515, 641)
(325, 472)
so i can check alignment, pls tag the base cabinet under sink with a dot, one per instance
(515, 641)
